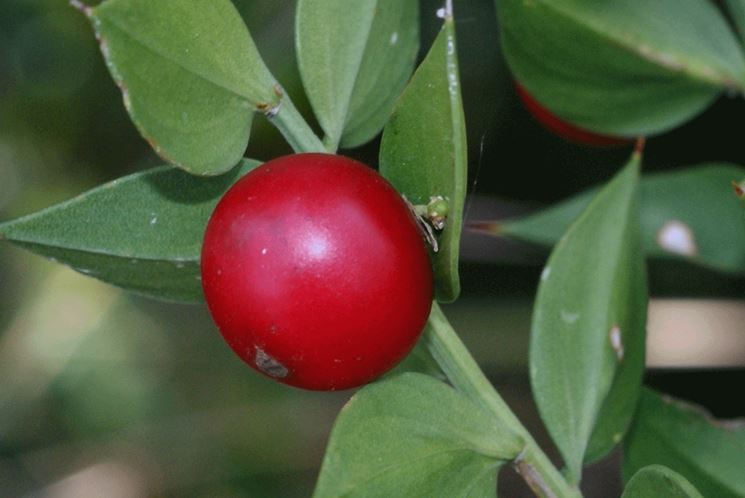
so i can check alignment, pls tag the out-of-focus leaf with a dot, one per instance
(708, 452)
(737, 10)
(653, 65)
(190, 76)
(423, 152)
(657, 481)
(355, 61)
(142, 232)
(688, 214)
(414, 436)
(587, 341)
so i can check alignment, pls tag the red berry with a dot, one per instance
(315, 272)
(566, 130)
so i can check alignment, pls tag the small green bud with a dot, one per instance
(437, 211)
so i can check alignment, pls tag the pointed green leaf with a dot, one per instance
(587, 341)
(414, 436)
(190, 76)
(656, 481)
(142, 232)
(683, 437)
(423, 152)
(677, 213)
(671, 58)
(617, 411)
(737, 10)
(354, 62)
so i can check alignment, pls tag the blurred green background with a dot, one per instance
(107, 394)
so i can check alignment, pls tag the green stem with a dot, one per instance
(465, 375)
(331, 143)
(293, 127)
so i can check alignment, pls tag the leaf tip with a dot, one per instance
(739, 189)
(639, 145)
(493, 228)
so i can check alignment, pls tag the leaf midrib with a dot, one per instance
(350, 493)
(358, 66)
(107, 253)
(685, 67)
(370, 111)
(158, 53)
(567, 392)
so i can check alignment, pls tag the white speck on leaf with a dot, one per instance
(446, 12)
(545, 274)
(616, 342)
(394, 37)
(677, 237)
(125, 96)
(154, 219)
(104, 48)
(452, 69)
(569, 317)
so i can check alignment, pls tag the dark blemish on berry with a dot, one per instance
(269, 365)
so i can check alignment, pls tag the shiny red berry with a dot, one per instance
(315, 272)
(563, 129)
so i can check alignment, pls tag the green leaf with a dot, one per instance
(142, 232)
(414, 436)
(354, 62)
(653, 65)
(689, 213)
(387, 65)
(423, 151)
(190, 76)
(419, 360)
(656, 481)
(587, 340)
(683, 437)
(737, 10)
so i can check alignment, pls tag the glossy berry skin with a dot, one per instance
(315, 272)
(563, 129)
